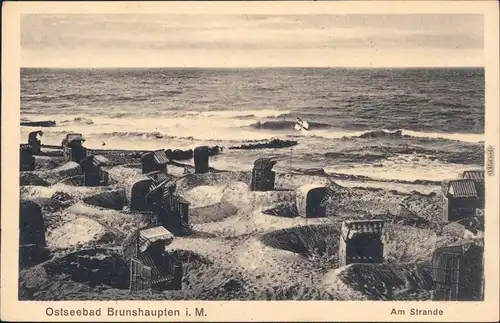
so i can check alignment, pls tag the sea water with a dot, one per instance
(440, 113)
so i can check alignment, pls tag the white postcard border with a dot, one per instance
(14, 310)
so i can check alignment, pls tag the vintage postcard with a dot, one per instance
(250, 161)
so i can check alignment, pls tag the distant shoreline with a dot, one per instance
(259, 68)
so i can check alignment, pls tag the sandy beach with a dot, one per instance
(245, 244)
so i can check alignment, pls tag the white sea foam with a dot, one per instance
(203, 126)
(406, 168)
(465, 137)
(187, 130)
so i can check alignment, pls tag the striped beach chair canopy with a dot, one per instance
(477, 175)
(140, 240)
(264, 163)
(446, 259)
(100, 160)
(95, 160)
(160, 157)
(462, 188)
(458, 272)
(148, 236)
(350, 228)
(160, 179)
(74, 137)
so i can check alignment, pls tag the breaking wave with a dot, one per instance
(474, 158)
(330, 132)
(245, 114)
(326, 130)
(285, 124)
(81, 120)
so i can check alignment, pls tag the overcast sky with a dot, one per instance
(251, 40)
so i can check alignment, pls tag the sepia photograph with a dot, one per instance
(252, 156)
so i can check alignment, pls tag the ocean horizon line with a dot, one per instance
(257, 68)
